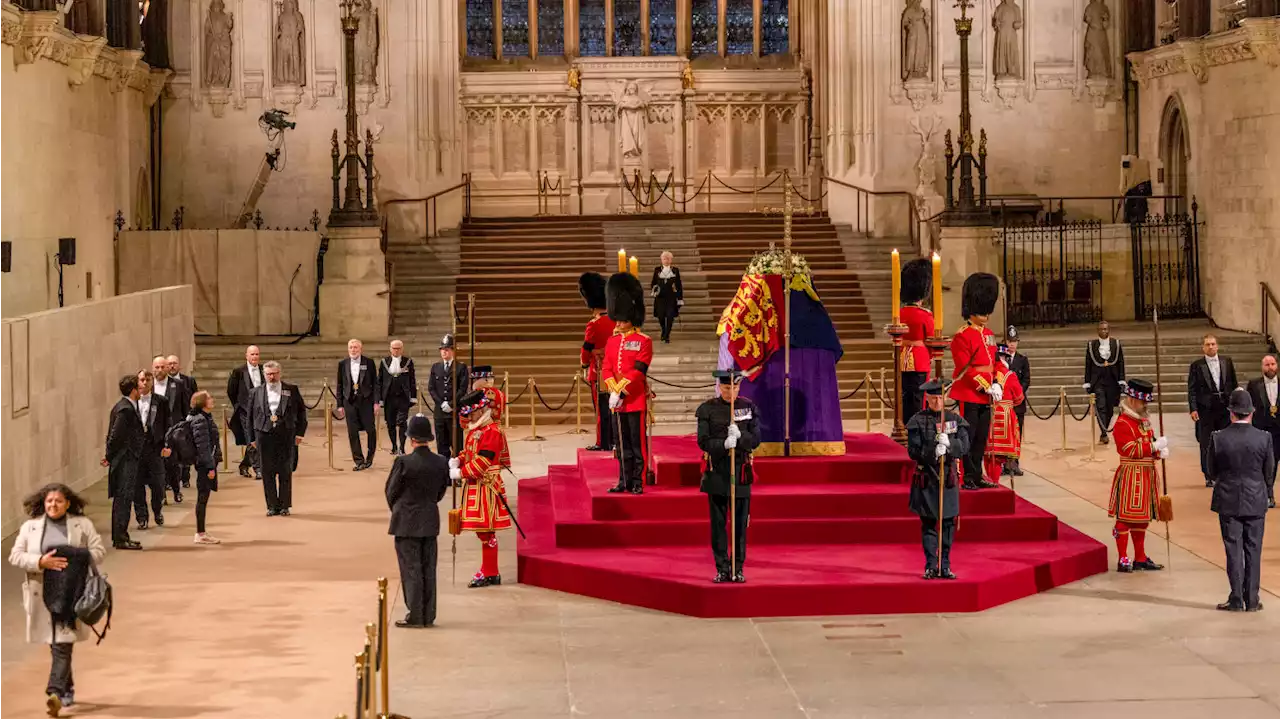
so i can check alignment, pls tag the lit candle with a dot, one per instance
(937, 295)
(622, 260)
(635, 267)
(896, 277)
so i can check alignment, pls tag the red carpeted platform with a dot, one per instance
(828, 535)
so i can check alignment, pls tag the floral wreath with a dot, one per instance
(773, 261)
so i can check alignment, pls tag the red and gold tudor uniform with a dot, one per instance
(480, 463)
(1004, 439)
(975, 380)
(591, 286)
(482, 379)
(917, 279)
(624, 372)
(1135, 486)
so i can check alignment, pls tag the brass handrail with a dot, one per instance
(1268, 297)
(863, 206)
(430, 201)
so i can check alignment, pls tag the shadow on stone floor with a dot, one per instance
(255, 543)
(143, 712)
(1113, 595)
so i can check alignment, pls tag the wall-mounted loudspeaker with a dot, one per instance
(66, 250)
(6, 256)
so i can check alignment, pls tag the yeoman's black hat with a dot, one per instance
(1140, 389)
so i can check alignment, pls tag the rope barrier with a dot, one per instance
(560, 406)
(1057, 405)
(320, 398)
(855, 390)
(802, 196)
(751, 191)
(1082, 417)
(513, 400)
(682, 386)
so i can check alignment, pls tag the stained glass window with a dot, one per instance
(480, 29)
(591, 26)
(662, 27)
(739, 33)
(774, 26)
(515, 28)
(627, 38)
(550, 27)
(705, 25)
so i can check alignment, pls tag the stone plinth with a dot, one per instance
(354, 298)
(964, 251)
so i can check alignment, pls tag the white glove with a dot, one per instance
(996, 392)
(730, 442)
(939, 449)
(412, 402)
(1161, 443)
(455, 473)
(1086, 386)
(454, 463)
(734, 431)
(444, 407)
(679, 303)
(615, 400)
(1164, 453)
(1123, 384)
(944, 439)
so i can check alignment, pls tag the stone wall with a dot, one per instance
(61, 372)
(1224, 88)
(75, 150)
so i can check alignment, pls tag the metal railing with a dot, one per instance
(863, 221)
(430, 205)
(1269, 302)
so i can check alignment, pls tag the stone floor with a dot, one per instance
(266, 625)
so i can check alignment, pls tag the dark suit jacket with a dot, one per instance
(1104, 381)
(1202, 396)
(1244, 465)
(177, 401)
(291, 415)
(239, 385)
(404, 386)
(1022, 368)
(417, 483)
(367, 393)
(158, 421)
(126, 443)
(439, 387)
(1262, 417)
(192, 386)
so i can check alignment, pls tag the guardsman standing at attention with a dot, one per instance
(625, 369)
(933, 434)
(718, 437)
(484, 497)
(1134, 488)
(599, 330)
(975, 384)
(917, 280)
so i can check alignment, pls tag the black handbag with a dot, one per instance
(95, 602)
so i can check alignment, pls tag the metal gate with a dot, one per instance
(1053, 272)
(1166, 265)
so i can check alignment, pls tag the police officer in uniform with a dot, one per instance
(932, 434)
(448, 380)
(417, 483)
(719, 434)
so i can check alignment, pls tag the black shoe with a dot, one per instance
(186, 484)
(1123, 566)
(358, 467)
(478, 582)
(1102, 438)
(1147, 565)
(273, 513)
(638, 489)
(984, 484)
(617, 488)
(128, 544)
(142, 524)
(722, 578)
(595, 448)
(284, 512)
(1006, 470)
(739, 579)
(1017, 469)
(159, 519)
(495, 580)
(244, 472)
(1230, 606)
(257, 476)
(947, 573)
(930, 573)
(406, 624)
(177, 497)
(1209, 483)
(1255, 608)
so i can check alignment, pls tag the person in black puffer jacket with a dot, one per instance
(204, 433)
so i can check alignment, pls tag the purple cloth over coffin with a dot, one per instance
(815, 397)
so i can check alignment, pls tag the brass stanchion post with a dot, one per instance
(370, 633)
(531, 388)
(755, 187)
(577, 390)
(360, 688)
(328, 429)
(882, 395)
(1062, 399)
(384, 650)
(506, 387)
(1093, 441)
(709, 188)
(868, 411)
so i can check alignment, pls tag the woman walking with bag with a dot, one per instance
(208, 455)
(45, 542)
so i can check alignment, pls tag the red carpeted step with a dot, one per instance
(869, 459)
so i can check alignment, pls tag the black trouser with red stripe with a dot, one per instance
(604, 421)
(979, 418)
(631, 442)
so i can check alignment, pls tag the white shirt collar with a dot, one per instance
(356, 363)
(394, 365)
(1211, 360)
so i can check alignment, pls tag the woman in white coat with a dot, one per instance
(57, 519)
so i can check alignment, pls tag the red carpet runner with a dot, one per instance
(828, 535)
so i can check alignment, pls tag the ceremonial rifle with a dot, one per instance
(733, 482)
(1164, 506)
(942, 461)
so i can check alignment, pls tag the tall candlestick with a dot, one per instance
(896, 277)
(622, 260)
(635, 267)
(937, 295)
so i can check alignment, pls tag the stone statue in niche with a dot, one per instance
(1007, 23)
(1097, 42)
(632, 102)
(218, 25)
(917, 47)
(290, 65)
(367, 43)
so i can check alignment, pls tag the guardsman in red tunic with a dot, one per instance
(1135, 490)
(917, 279)
(599, 330)
(975, 384)
(1004, 439)
(625, 369)
(479, 465)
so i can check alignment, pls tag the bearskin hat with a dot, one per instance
(591, 287)
(917, 281)
(625, 299)
(981, 291)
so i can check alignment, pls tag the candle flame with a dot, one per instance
(935, 256)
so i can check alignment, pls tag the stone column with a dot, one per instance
(964, 251)
(354, 301)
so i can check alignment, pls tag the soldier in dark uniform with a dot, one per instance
(448, 380)
(931, 434)
(718, 434)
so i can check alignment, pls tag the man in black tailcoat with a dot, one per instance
(1243, 462)
(1209, 383)
(1265, 393)
(277, 423)
(1104, 376)
(243, 380)
(359, 396)
(449, 379)
(417, 483)
(399, 384)
(126, 441)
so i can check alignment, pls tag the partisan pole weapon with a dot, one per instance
(1164, 505)
(453, 439)
(733, 482)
